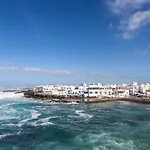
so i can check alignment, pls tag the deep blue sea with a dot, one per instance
(26, 124)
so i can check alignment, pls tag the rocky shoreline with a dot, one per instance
(78, 99)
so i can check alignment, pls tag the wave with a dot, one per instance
(104, 141)
(35, 115)
(3, 118)
(9, 134)
(71, 103)
(42, 122)
(4, 95)
(4, 135)
(81, 114)
(30, 122)
(125, 103)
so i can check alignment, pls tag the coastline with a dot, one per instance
(130, 99)
(78, 99)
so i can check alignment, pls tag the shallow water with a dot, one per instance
(31, 125)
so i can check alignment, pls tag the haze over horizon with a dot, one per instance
(71, 42)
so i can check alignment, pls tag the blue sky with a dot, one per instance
(74, 41)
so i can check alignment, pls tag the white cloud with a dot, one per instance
(132, 14)
(141, 52)
(110, 26)
(60, 73)
(68, 74)
(36, 70)
(121, 6)
(136, 21)
(127, 35)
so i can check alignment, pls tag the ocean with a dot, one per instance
(27, 124)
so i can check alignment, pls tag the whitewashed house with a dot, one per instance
(113, 86)
(94, 85)
(134, 84)
(43, 88)
(148, 93)
(121, 93)
(78, 90)
(100, 92)
(144, 88)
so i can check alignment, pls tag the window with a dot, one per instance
(90, 92)
(105, 92)
(96, 92)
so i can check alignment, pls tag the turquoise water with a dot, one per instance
(31, 125)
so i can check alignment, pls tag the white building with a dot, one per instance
(148, 93)
(47, 89)
(113, 86)
(95, 85)
(99, 92)
(121, 93)
(43, 88)
(144, 88)
(134, 83)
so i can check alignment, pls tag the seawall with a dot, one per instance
(78, 99)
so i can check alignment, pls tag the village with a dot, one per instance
(96, 90)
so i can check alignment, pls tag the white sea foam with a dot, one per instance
(125, 103)
(8, 134)
(79, 111)
(4, 95)
(45, 123)
(31, 120)
(74, 103)
(47, 119)
(81, 114)
(25, 120)
(35, 115)
(4, 135)
(71, 103)
(3, 118)
(42, 122)
(106, 141)
(12, 125)
(21, 123)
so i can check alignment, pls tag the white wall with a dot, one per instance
(100, 92)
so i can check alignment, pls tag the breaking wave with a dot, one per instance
(10, 95)
(81, 114)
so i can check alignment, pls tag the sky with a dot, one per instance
(74, 41)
